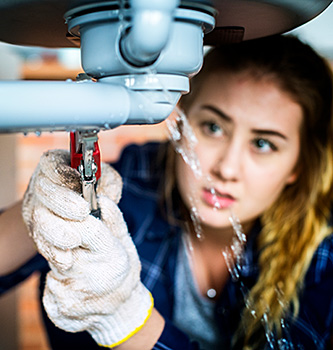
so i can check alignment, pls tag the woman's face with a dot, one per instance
(248, 134)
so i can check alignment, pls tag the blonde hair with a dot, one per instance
(297, 222)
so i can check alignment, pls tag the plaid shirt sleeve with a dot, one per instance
(37, 263)
(12, 279)
(313, 327)
(173, 339)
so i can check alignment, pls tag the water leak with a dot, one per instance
(196, 223)
(121, 12)
(285, 343)
(268, 333)
(184, 141)
(233, 254)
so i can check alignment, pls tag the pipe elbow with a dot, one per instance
(149, 32)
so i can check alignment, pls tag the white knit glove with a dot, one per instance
(94, 283)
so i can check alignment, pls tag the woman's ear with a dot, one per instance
(293, 177)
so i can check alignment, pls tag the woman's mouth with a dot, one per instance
(216, 199)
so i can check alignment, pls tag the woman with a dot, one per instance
(256, 146)
(264, 129)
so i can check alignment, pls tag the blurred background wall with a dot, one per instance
(10, 68)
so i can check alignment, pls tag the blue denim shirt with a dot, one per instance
(157, 243)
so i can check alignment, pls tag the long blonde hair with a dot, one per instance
(297, 222)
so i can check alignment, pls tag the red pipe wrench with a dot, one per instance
(85, 157)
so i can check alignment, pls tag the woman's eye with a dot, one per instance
(213, 129)
(264, 146)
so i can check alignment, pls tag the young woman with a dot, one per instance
(255, 146)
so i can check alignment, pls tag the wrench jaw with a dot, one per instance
(85, 157)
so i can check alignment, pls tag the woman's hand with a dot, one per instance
(94, 283)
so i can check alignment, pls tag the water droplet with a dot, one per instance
(283, 344)
(268, 332)
(229, 260)
(233, 255)
(38, 133)
(196, 223)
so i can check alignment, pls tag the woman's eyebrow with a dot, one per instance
(229, 119)
(269, 132)
(217, 111)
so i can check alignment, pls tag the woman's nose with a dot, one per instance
(229, 162)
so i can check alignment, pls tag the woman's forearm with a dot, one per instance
(16, 247)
